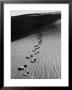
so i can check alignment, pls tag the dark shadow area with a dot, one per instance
(24, 25)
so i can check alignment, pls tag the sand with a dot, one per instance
(48, 64)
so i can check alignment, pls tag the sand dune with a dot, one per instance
(48, 64)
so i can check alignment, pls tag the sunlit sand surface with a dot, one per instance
(48, 64)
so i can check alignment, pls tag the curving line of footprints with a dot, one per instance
(30, 58)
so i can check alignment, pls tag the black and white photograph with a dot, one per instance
(35, 44)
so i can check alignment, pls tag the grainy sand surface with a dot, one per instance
(48, 65)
